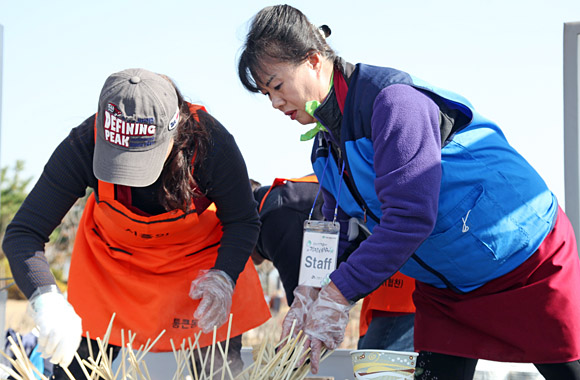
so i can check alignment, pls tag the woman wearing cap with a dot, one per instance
(448, 200)
(164, 239)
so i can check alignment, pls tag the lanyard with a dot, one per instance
(320, 188)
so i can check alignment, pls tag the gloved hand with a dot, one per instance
(215, 288)
(59, 327)
(304, 296)
(326, 322)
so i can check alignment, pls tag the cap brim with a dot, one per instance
(129, 168)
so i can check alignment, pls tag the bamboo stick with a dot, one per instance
(83, 368)
(177, 357)
(225, 365)
(225, 359)
(192, 348)
(16, 366)
(67, 371)
(212, 352)
(122, 366)
(282, 361)
(146, 370)
(22, 352)
(11, 372)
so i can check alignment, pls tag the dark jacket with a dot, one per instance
(283, 210)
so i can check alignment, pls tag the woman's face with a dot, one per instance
(289, 87)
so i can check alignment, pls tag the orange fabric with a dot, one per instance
(280, 181)
(141, 269)
(394, 295)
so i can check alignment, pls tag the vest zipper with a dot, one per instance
(440, 276)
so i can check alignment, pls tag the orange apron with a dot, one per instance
(141, 269)
(394, 295)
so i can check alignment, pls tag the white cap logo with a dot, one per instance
(174, 120)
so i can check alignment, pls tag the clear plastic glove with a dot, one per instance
(304, 296)
(326, 322)
(59, 327)
(215, 288)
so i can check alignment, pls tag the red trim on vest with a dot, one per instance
(340, 89)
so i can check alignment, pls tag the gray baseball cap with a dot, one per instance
(137, 117)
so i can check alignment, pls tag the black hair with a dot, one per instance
(190, 147)
(279, 33)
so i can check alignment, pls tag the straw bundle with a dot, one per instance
(282, 361)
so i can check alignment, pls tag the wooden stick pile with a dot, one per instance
(285, 361)
(22, 368)
(282, 361)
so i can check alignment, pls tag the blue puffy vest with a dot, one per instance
(494, 209)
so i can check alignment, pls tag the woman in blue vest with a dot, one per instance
(448, 200)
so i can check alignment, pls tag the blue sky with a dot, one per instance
(504, 56)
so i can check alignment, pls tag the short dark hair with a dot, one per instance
(279, 33)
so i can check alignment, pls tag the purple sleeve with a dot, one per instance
(407, 162)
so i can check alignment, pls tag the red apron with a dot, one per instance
(530, 315)
(393, 296)
(141, 269)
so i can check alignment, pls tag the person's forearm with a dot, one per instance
(64, 179)
(31, 271)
